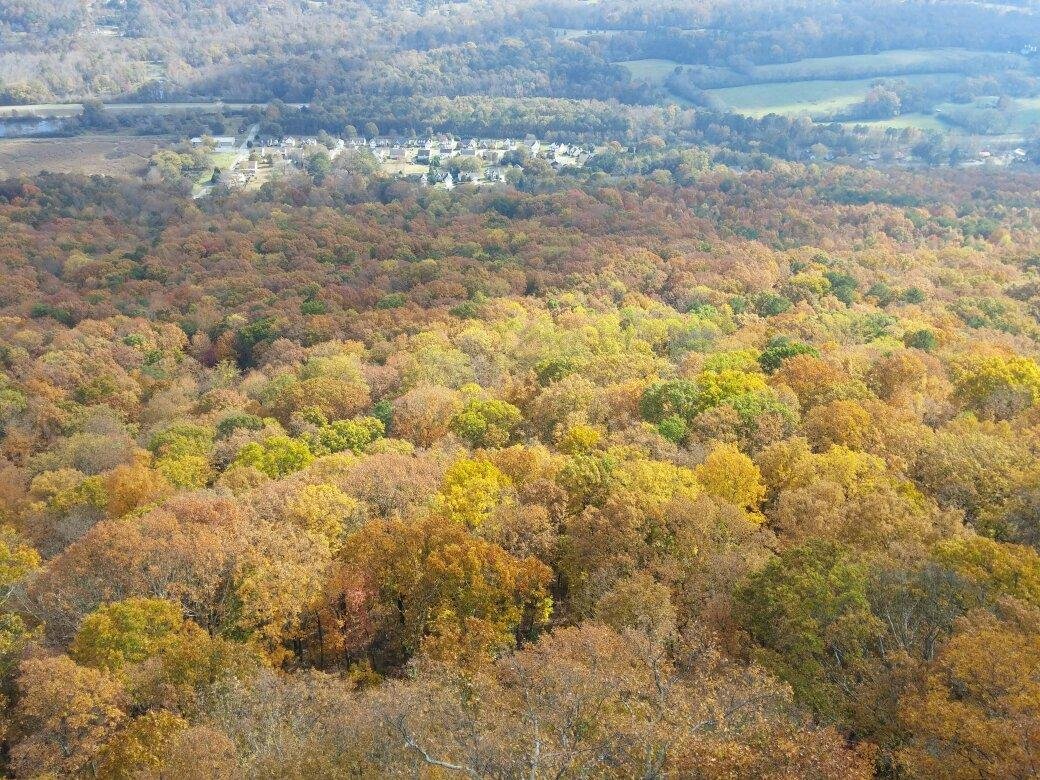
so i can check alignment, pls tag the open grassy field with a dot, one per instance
(1023, 116)
(652, 71)
(818, 99)
(823, 87)
(915, 120)
(110, 155)
(846, 68)
(886, 63)
(1026, 114)
(404, 168)
(221, 160)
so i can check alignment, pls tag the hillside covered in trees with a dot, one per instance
(712, 457)
(727, 476)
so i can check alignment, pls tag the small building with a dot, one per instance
(225, 143)
(495, 173)
(442, 181)
(231, 178)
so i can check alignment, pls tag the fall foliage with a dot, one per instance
(622, 475)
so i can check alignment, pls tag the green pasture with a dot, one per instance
(652, 71)
(887, 63)
(819, 99)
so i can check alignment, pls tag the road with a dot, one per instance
(241, 155)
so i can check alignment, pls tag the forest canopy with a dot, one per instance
(714, 455)
(637, 443)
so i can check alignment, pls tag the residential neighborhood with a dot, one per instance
(441, 161)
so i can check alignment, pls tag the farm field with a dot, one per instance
(652, 71)
(816, 98)
(892, 63)
(897, 62)
(822, 87)
(917, 121)
(109, 155)
(1022, 117)
(1026, 114)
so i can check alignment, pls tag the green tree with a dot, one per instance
(808, 612)
(125, 632)
(486, 423)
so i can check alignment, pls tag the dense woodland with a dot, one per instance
(298, 51)
(710, 459)
(693, 472)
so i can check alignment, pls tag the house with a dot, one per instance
(495, 173)
(443, 181)
(225, 143)
(423, 157)
(231, 178)
(397, 154)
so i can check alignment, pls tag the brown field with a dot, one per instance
(110, 155)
